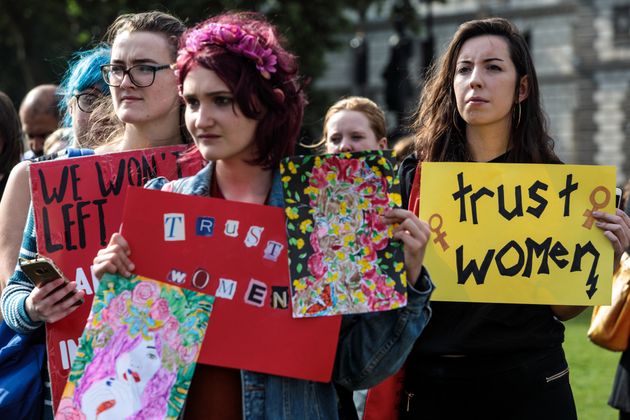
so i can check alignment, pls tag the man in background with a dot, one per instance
(39, 114)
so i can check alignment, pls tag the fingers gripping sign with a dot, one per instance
(414, 234)
(114, 258)
(588, 223)
(616, 228)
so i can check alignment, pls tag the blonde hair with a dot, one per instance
(58, 139)
(404, 147)
(374, 114)
(155, 21)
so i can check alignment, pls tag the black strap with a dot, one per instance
(345, 404)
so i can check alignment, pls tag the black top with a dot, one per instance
(482, 328)
(3, 184)
(620, 396)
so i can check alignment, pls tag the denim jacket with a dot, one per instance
(371, 346)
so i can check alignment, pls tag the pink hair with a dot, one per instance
(156, 392)
(256, 91)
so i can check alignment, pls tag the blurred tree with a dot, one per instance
(360, 47)
(398, 86)
(36, 38)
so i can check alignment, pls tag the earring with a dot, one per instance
(518, 120)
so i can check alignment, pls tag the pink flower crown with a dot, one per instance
(236, 40)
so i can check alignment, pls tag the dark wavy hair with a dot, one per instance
(10, 136)
(440, 130)
(279, 118)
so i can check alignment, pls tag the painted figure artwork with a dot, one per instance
(342, 260)
(137, 354)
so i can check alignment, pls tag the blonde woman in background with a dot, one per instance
(354, 124)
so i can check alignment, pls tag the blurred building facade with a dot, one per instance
(581, 50)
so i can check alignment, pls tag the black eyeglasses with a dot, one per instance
(141, 75)
(86, 101)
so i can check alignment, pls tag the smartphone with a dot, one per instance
(618, 193)
(42, 271)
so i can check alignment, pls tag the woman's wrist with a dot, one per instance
(413, 275)
(29, 310)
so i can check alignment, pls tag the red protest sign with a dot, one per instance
(78, 204)
(238, 253)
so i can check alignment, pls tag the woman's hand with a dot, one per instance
(53, 301)
(616, 228)
(414, 233)
(114, 258)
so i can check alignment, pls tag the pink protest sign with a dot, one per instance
(236, 252)
(78, 205)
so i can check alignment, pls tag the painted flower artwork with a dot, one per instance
(137, 354)
(342, 258)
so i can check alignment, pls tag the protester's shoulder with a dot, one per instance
(157, 183)
(17, 183)
(409, 163)
(21, 167)
(188, 185)
(181, 185)
(408, 168)
(19, 173)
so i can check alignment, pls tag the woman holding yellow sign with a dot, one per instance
(481, 103)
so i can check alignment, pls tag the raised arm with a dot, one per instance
(616, 227)
(13, 212)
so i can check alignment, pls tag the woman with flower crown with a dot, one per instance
(244, 107)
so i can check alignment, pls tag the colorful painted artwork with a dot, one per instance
(342, 260)
(137, 354)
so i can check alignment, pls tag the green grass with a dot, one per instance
(592, 371)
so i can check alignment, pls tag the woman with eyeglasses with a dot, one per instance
(143, 85)
(82, 78)
(144, 112)
(146, 101)
(81, 89)
(83, 75)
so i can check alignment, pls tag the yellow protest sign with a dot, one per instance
(518, 233)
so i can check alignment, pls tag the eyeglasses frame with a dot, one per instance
(77, 96)
(127, 72)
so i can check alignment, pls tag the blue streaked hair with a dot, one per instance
(84, 71)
